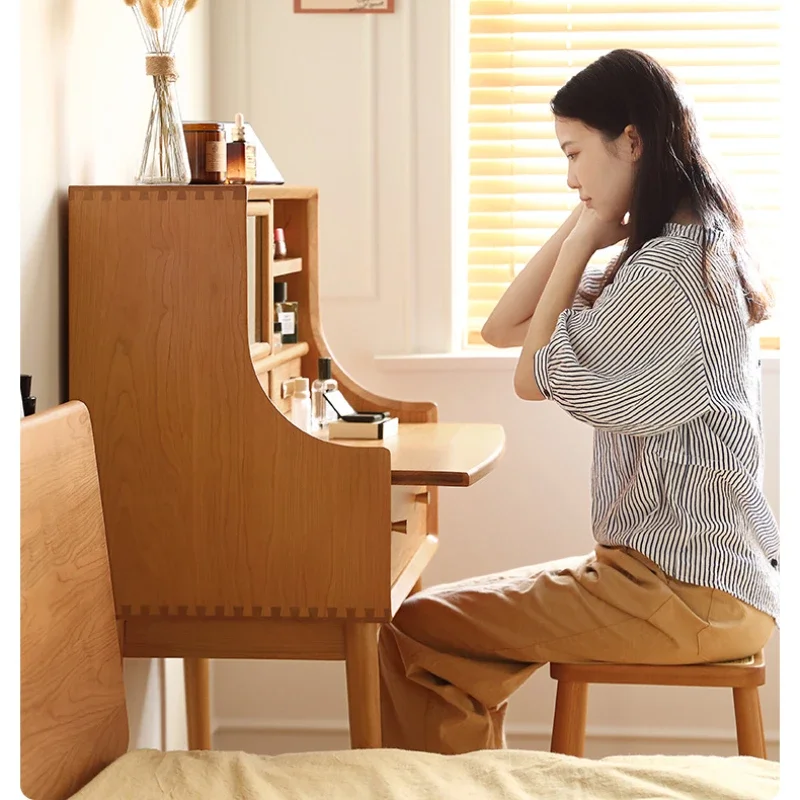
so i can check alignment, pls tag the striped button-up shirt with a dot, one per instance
(669, 378)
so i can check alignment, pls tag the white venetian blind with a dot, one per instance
(726, 55)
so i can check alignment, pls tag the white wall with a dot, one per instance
(359, 107)
(85, 105)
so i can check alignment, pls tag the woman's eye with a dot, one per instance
(570, 156)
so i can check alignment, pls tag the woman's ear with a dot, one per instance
(632, 142)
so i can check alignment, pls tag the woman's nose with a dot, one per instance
(572, 181)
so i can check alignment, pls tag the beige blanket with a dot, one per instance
(401, 775)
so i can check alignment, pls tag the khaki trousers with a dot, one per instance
(455, 653)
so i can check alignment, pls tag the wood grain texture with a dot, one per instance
(296, 210)
(363, 684)
(743, 677)
(285, 192)
(258, 352)
(259, 209)
(406, 579)
(72, 698)
(749, 722)
(266, 362)
(409, 528)
(569, 721)
(726, 675)
(313, 639)
(440, 453)
(220, 512)
(265, 295)
(286, 266)
(198, 703)
(205, 484)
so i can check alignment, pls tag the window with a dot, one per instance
(725, 53)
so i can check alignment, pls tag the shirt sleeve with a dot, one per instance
(633, 363)
(591, 280)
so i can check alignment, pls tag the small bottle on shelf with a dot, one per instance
(277, 337)
(241, 155)
(320, 409)
(280, 244)
(285, 312)
(205, 143)
(301, 404)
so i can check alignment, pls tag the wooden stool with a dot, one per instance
(744, 677)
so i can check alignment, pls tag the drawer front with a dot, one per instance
(291, 369)
(409, 524)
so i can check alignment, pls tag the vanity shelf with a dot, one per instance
(289, 352)
(259, 351)
(259, 208)
(286, 266)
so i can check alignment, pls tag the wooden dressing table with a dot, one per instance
(231, 532)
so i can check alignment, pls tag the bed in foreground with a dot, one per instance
(402, 775)
(74, 722)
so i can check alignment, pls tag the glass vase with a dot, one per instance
(164, 157)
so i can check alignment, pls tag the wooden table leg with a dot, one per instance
(363, 684)
(198, 713)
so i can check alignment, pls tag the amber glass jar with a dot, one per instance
(206, 144)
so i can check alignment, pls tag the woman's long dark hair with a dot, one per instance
(627, 87)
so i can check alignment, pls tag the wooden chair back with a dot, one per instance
(72, 698)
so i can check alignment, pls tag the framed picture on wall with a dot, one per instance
(344, 6)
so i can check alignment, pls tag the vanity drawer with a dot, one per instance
(259, 354)
(409, 524)
(291, 369)
(263, 379)
(410, 508)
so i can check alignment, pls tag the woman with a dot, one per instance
(658, 355)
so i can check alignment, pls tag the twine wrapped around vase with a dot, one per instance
(158, 64)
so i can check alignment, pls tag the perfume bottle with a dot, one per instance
(321, 411)
(241, 155)
(277, 336)
(285, 312)
(300, 411)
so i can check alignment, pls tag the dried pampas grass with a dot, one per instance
(160, 15)
(151, 13)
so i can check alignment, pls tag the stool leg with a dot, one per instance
(569, 720)
(198, 717)
(749, 724)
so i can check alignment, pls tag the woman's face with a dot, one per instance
(601, 171)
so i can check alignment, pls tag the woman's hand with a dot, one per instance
(595, 233)
(509, 322)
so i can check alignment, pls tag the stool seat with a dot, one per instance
(743, 676)
(743, 672)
